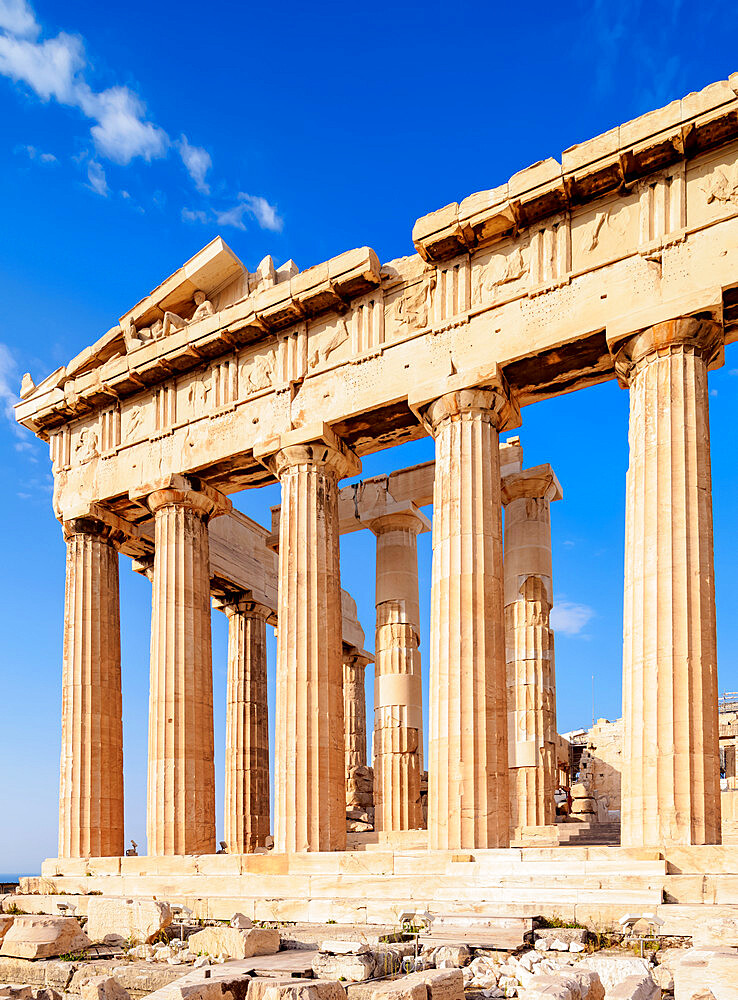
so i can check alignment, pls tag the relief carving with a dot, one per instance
(259, 373)
(169, 323)
(501, 270)
(197, 396)
(722, 186)
(329, 341)
(86, 447)
(411, 309)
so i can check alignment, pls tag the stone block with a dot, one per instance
(613, 969)
(6, 921)
(353, 968)
(344, 947)
(580, 790)
(441, 984)
(35, 936)
(635, 988)
(566, 934)
(116, 921)
(103, 988)
(233, 942)
(451, 956)
(296, 989)
(395, 989)
(701, 971)
(241, 921)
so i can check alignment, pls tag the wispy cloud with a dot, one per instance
(569, 618)
(9, 382)
(194, 215)
(121, 128)
(254, 206)
(35, 154)
(97, 178)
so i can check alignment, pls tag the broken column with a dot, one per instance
(398, 716)
(531, 685)
(469, 802)
(310, 783)
(181, 784)
(246, 815)
(671, 790)
(91, 773)
(359, 794)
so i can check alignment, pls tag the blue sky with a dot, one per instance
(133, 135)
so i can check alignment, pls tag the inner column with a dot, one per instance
(91, 772)
(181, 781)
(246, 813)
(531, 684)
(398, 689)
(310, 782)
(468, 794)
(671, 774)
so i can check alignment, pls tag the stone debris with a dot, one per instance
(353, 968)
(707, 975)
(296, 989)
(233, 942)
(103, 988)
(241, 921)
(35, 936)
(614, 969)
(115, 921)
(344, 947)
(440, 984)
(450, 956)
(570, 935)
(635, 988)
(6, 921)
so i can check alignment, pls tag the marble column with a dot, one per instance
(531, 684)
(354, 709)
(468, 785)
(181, 781)
(91, 773)
(671, 789)
(310, 777)
(246, 814)
(398, 695)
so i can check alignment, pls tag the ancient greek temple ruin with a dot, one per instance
(618, 262)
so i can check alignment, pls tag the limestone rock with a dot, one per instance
(35, 936)
(344, 947)
(6, 921)
(296, 989)
(388, 958)
(441, 984)
(613, 969)
(114, 921)
(103, 988)
(635, 988)
(394, 989)
(232, 942)
(700, 970)
(580, 790)
(567, 934)
(452, 955)
(241, 921)
(353, 968)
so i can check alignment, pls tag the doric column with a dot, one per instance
(181, 782)
(91, 774)
(468, 786)
(354, 708)
(246, 814)
(671, 790)
(529, 641)
(398, 695)
(310, 782)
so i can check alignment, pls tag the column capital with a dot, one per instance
(241, 603)
(406, 516)
(356, 657)
(538, 483)
(314, 445)
(702, 335)
(479, 391)
(97, 521)
(182, 491)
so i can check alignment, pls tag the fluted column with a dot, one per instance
(468, 786)
(531, 684)
(310, 781)
(398, 726)
(181, 780)
(671, 790)
(354, 709)
(246, 814)
(91, 773)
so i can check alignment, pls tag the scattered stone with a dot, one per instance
(576, 946)
(393, 989)
(558, 945)
(16, 993)
(353, 968)
(700, 970)
(232, 942)
(344, 947)
(36, 936)
(6, 921)
(613, 969)
(115, 921)
(452, 956)
(295, 989)
(241, 921)
(541, 945)
(103, 988)
(568, 934)
(201, 962)
(635, 988)
(441, 984)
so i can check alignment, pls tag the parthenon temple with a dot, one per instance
(618, 262)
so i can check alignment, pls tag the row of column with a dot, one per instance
(671, 772)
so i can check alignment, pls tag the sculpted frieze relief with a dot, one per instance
(722, 185)
(169, 322)
(258, 372)
(503, 269)
(410, 310)
(607, 234)
(330, 339)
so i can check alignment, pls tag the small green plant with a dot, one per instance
(558, 922)
(73, 956)
(330, 921)
(14, 909)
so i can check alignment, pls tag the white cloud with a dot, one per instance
(17, 18)
(569, 618)
(255, 206)
(9, 385)
(98, 180)
(198, 161)
(194, 215)
(49, 68)
(121, 133)
(34, 154)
